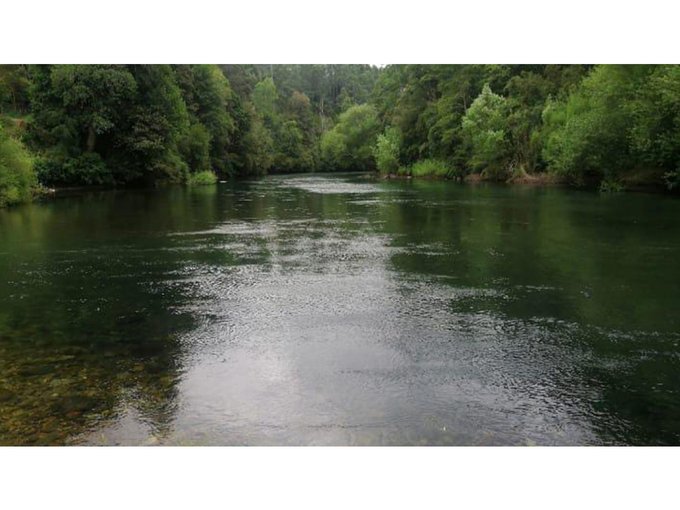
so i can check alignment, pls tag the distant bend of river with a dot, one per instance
(341, 310)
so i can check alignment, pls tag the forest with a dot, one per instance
(609, 127)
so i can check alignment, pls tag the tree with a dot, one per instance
(158, 121)
(194, 147)
(112, 124)
(334, 152)
(527, 93)
(349, 145)
(14, 85)
(608, 125)
(258, 144)
(291, 152)
(264, 98)
(484, 130)
(17, 177)
(386, 151)
(78, 112)
(93, 97)
(213, 96)
(655, 110)
(299, 137)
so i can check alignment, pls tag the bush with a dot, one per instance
(349, 145)
(86, 169)
(610, 186)
(621, 117)
(17, 175)
(485, 132)
(202, 178)
(672, 179)
(386, 151)
(429, 168)
(170, 168)
(194, 147)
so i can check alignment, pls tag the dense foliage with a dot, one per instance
(623, 121)
(485, 132)
(349, 145)
(386, 151)
(613, 126)
(428, 168)
(17, 178)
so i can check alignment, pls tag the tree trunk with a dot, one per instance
(91, 139)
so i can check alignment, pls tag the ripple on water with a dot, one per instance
(330, 186)
(313, 310)
(355, 347)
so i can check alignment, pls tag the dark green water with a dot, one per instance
(341, 310)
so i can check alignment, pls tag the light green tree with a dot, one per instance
(386, 151)
(349, 145)
(605, 127)
(484, 130)
(265, 97)
(17, 177)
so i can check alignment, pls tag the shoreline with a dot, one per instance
(542, 180)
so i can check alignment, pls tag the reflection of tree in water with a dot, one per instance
(570, 272)
(541, 286)
(87, 328)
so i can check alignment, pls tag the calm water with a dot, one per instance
(341, 310)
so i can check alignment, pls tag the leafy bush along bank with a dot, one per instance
(203, 178)
(18, 182)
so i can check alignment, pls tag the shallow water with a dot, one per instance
(313, 310)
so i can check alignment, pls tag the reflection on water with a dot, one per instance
(341, 310)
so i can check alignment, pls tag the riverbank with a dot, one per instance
(637, 182)
(477, 178)
(632, 183)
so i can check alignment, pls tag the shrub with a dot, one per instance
(202, 178)
(485, 132)
(672, 179)
(17, 175)
(170, 168)
(86, 169)
(610, 186)
(349, 145)
(194, 147)
(386, 151)
(404, 170)
(429, 168)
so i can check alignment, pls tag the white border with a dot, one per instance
(343, 478)
(347, 31)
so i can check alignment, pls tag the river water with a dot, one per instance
(341, 310)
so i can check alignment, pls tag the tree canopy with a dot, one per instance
(608, 125)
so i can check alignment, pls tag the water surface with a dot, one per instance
(341, 310)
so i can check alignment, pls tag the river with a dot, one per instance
(341, 310)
